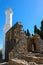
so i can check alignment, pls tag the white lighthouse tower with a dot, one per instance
(8, 25)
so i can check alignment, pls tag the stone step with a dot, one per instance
(17, 62)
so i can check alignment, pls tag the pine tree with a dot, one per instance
(41, 25)
(35, 29)
(28, 33)
(40, 32)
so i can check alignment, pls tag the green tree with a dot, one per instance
(41, 25)
(0, 53)
(35, 29)
(27, 33)
(40, 32)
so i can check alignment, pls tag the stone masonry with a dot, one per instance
(18, 45)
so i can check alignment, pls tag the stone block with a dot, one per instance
(17, 62)
(32, 63)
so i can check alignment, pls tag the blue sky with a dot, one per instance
(29, 12)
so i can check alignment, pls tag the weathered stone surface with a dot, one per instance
(32, 63)
(15, 37)
(17, 62)
(29, 57)
(19, 46)
(35, 44)
(16, 40)
(23, 62)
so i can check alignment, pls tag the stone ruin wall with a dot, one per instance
(35, 44)
(15, 38)
(21, 52)
(17, 43)
(22, 49)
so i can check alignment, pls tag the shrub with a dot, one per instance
(0, 53)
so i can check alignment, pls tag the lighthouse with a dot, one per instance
(8, 25)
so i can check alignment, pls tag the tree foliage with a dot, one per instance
(27, 32)
(41, 25)
(40, 32)
(35, 29)
(0, 53)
